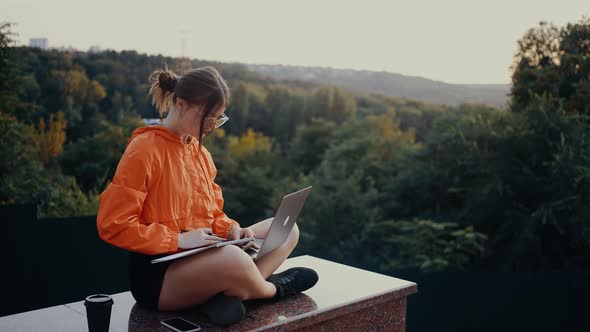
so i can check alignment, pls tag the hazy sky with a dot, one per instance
(455, 41)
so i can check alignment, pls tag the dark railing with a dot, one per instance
(50, 261)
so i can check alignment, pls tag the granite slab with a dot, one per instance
(344, 297)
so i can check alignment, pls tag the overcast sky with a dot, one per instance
(455, 41)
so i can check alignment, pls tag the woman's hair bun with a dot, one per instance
(167, 80)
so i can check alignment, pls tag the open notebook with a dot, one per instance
(199, 249)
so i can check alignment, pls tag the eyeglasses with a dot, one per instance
(220, 120)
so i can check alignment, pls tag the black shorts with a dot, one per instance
(145, 278)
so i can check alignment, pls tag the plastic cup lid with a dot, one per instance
(99, 299)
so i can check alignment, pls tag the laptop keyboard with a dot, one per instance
(251, 251)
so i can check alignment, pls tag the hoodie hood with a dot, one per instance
(161, 131)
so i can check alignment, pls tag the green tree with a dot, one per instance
(49, 138)
(574, 66)
(345, 201)
(24, 180)
(92, 160)
(311, 141)
(422, 244)
(239, 109)
(9, 78)
(553, 61)
(333, 104)
(248, 169)
(521, 178)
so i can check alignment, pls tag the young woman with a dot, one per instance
(163, 198)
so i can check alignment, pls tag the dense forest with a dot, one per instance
(398, 184)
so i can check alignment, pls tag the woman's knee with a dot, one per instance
(239, 271)
(234, 258)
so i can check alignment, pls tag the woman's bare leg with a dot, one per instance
(270, 262)
(194, 279)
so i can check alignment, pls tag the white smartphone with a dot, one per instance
(180, 325)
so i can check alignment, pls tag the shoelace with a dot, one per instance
(286, 283)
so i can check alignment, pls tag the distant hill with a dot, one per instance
(391, 84)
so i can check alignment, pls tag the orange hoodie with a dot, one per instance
(160, 188)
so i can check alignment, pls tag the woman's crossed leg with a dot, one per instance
(194, 279)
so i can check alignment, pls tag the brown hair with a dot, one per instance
(199, 86)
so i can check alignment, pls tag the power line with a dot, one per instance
(183, 42)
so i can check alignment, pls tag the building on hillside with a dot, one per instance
(38, 42)
(95, 49)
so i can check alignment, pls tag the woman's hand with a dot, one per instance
(236, 232)
(197, 238)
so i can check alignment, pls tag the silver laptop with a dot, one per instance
(278, 232)
(282, 224)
